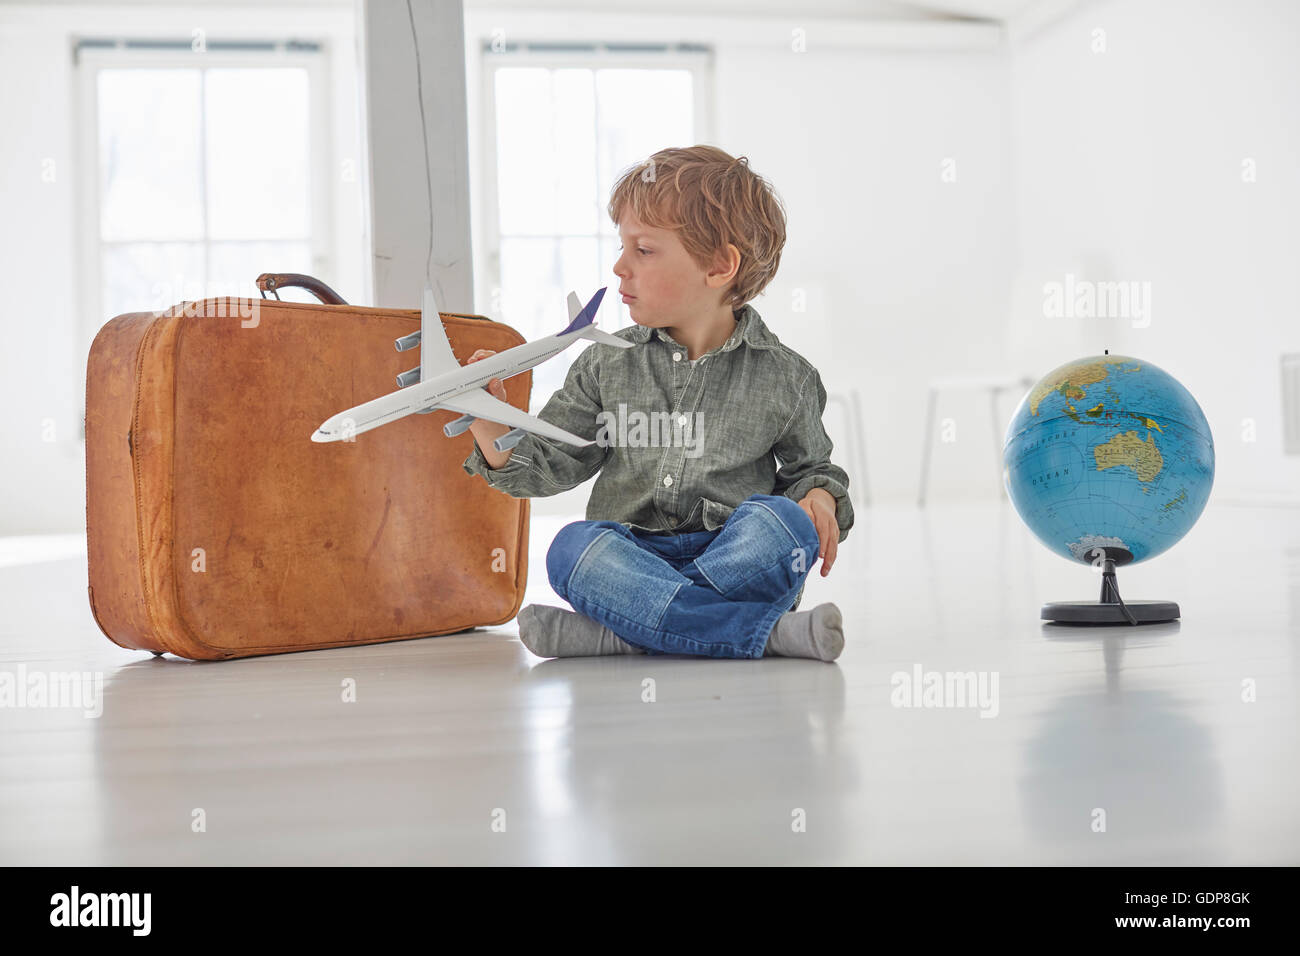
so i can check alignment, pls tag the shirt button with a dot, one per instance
(668, 479)
(682, 420)
(677, 356)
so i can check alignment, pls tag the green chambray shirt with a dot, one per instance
(680, 444)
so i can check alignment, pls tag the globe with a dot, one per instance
(1108, 457)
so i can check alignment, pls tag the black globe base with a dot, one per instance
(1097, 612)
(1111, 608)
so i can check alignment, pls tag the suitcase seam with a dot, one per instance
(90, 588)
(151, 639)
(141, 550)
(225, 651)
(161, 638)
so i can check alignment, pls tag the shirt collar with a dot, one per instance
(750, 329)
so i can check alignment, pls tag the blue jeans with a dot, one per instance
(707, 593)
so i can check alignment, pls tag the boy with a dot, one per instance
(695, 542)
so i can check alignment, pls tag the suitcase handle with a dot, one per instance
(272, 281)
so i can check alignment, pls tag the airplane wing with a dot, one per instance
(436, 357)
(480, 404)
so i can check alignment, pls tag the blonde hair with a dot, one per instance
(709, 198)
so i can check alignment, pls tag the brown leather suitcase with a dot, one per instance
(216, 528)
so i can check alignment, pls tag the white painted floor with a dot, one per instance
(451, 736)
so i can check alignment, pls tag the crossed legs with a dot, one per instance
(723, 603)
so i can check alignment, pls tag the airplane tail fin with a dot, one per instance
(599, 335)
(587, 315)
(584, 322)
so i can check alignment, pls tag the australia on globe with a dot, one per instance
(1108, 456)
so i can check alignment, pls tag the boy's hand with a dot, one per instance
(820, 505)
(485, 431)
(496, 388)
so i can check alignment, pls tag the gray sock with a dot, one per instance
(556, 632)
(818, 634)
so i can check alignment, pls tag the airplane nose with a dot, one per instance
(321, 435)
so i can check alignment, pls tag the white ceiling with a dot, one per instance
(1000, 10)
(1017, 18)
(992, 10)
(995, 10)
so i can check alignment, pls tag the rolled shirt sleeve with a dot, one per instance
(539, 466)
(804, 454)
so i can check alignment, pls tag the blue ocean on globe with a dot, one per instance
(1108, 455)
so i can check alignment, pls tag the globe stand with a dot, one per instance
(1111, 608)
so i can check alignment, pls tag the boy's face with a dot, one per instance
(667, 287)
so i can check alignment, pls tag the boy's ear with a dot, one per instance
(726, 263)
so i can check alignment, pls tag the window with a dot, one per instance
(202, 172)
(562, 126)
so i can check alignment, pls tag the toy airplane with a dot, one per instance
(441, 382)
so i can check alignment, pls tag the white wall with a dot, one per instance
(42, 483)
(904, 272)
(1128, 166)
(45, 336)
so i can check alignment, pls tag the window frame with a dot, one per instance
(90, 60)
(699, 62)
